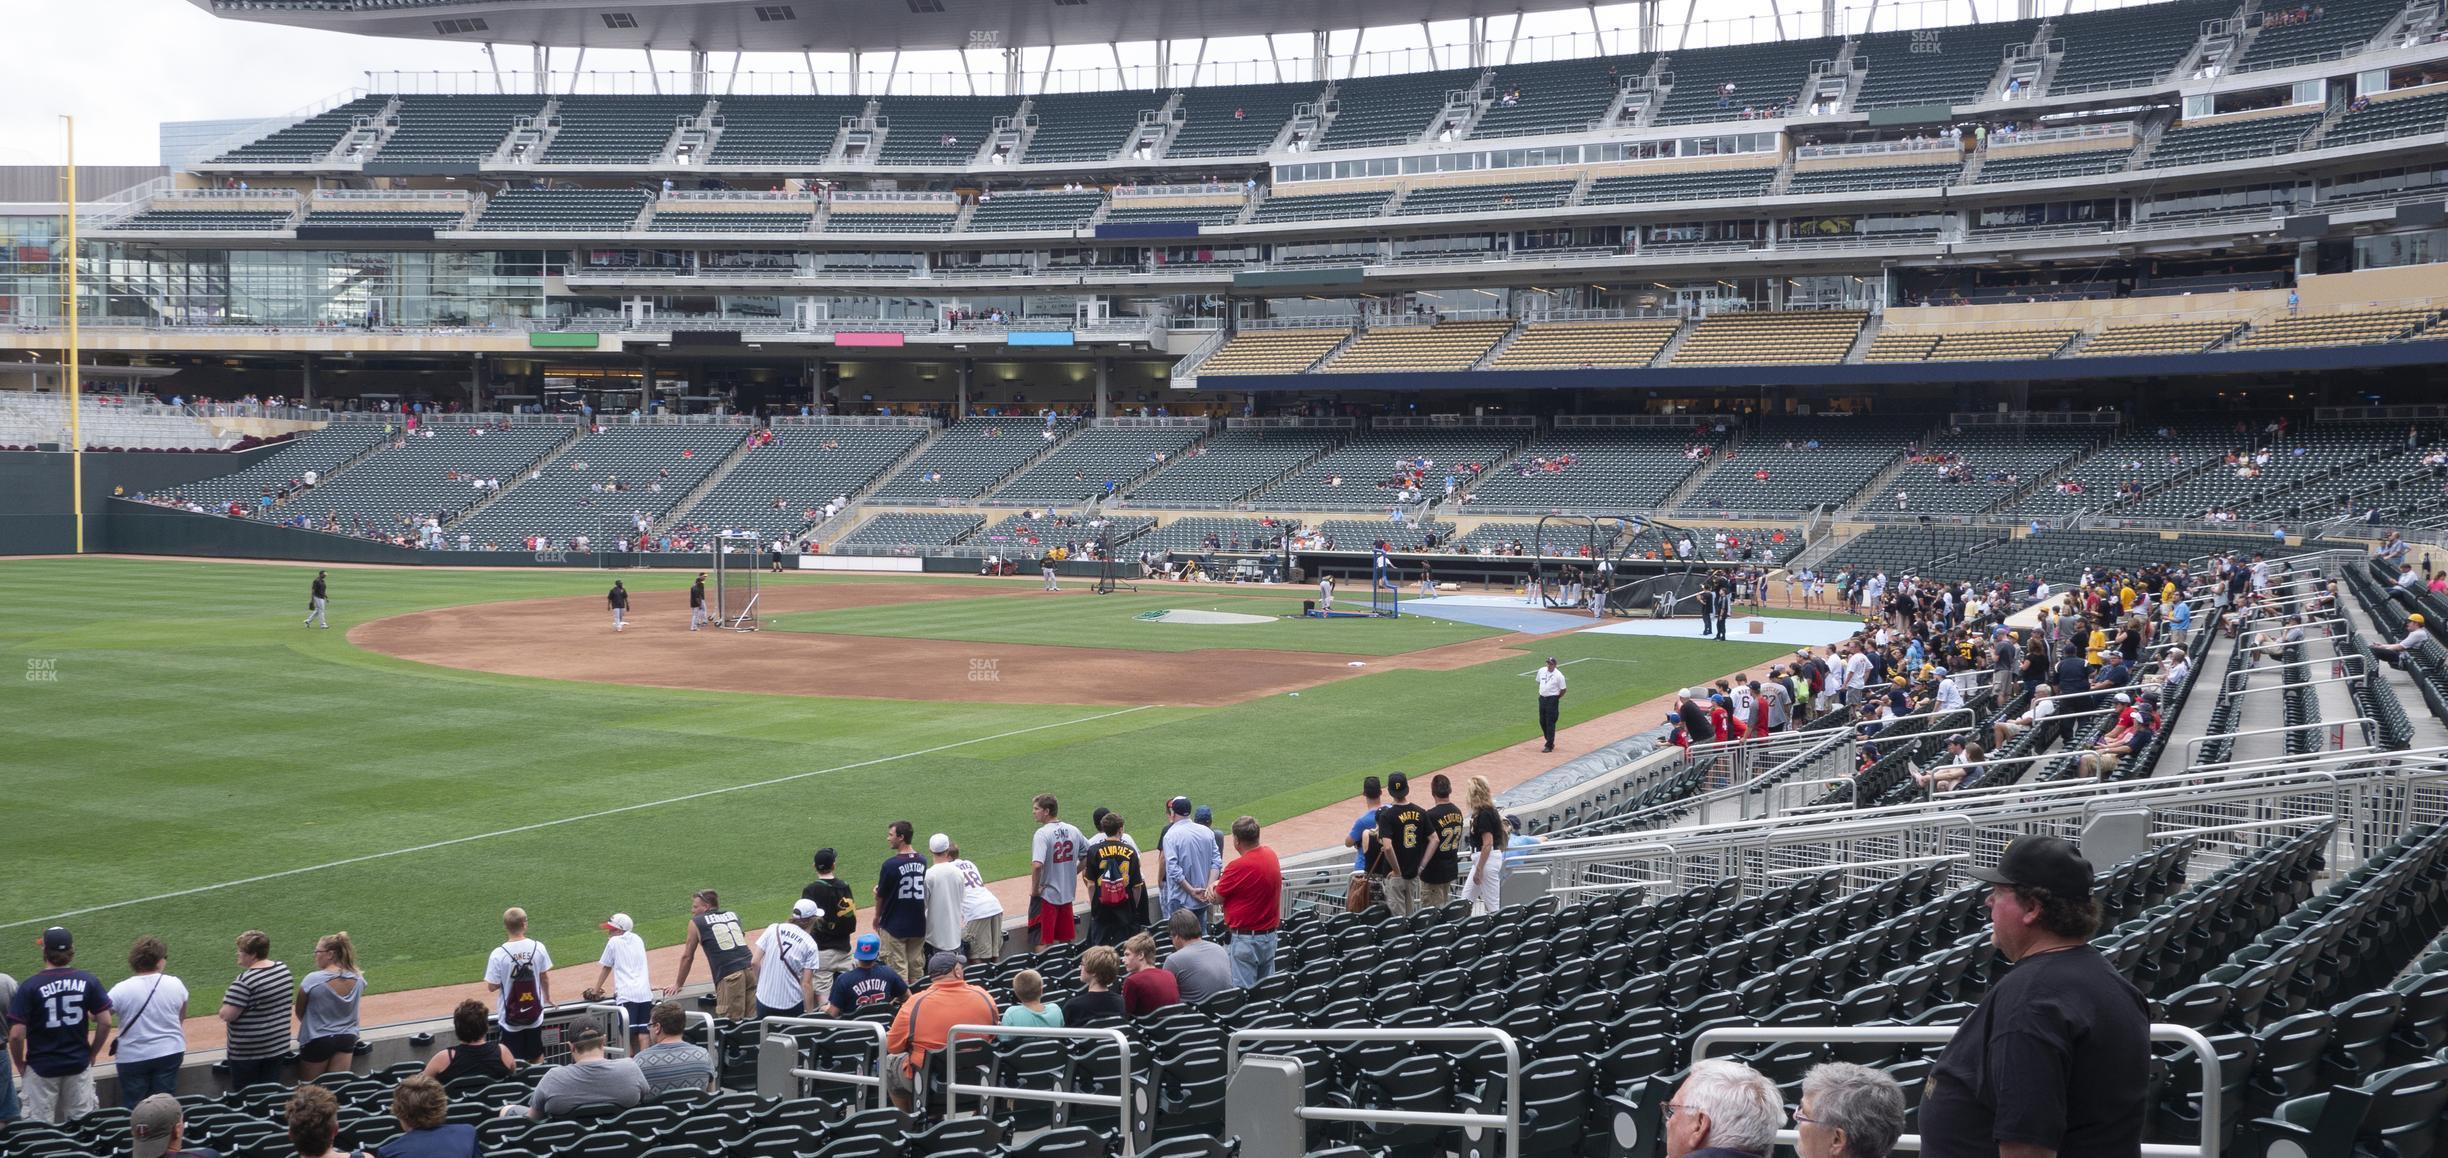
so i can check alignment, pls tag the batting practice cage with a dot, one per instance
(739, 577)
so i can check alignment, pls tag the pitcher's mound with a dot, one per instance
(1184, 615)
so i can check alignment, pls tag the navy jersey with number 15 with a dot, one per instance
(56, 1007)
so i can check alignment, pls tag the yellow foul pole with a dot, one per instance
(76, 423)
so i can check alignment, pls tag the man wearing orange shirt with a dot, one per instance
(925, 1023)
(1251, 889)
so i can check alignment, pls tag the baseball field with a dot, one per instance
(179, 756)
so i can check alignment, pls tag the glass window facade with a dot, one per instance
(134, 283)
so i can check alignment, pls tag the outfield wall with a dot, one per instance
(35, 511)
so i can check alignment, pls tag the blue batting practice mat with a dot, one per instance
(1503, 612)
(1769, 629)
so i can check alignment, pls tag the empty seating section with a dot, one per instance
(308, 141)
(1981, 467)
(1951, 65)
(607, 479)
(893, 530)
(1505, 197)
(1555, 96)
(1235, 120)
(1319, 206)
(2195, 144)
(1270, 352)
(1082, 466)
(1680, 185)
(1967, 345)
(413, 475)
(1363, 534)
(1035, 211)
(1089, 126)
(1850, 452)
(2051, 166)
(857, 221)
(1765, 76)
(2309, 468)
(2333, 329)
(383, 219)
(2396, 116)
(1216, 213)
(318, 450)
(2138, 456)
(455, 129)
(616, 130)
(780, 130)
(1871, 178)
(1191, 535)
(1234, 464)
(2156, 338)
(736, 221)
(1785, 338)
(2300, 31)
(205, 220)
(1498, 537)
(2129, 47)
(563, 210)
(1390, 110)
(1017, 535)
(805, 467)
(1356, 474)
(1443, 346)
(1610, 471)
(1568, 345)
(974, 454)
(28, 419)
(938, 130)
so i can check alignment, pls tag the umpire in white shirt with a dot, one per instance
(1551, 700)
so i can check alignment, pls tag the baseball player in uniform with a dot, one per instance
(1325, 593)
(314, 603)
(1045, 565)
(1551, 700)
(1384, 578)
(618, 598)
(697, 607)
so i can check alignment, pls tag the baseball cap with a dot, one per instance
(804, 909)
(1180, 805)
(1398, 782)
(57, 939)
(1512, 820)
(620, 923)
(1202, 814)
(2049, 863)
(2124, 697)
(824, 860)
(2416, 619)
(866, 947)
(939, 844)
(944, 961)
(151, 1123)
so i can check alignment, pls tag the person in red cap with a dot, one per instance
(2056, 1060)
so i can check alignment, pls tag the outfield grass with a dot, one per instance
(1082, 620)
(193, 735)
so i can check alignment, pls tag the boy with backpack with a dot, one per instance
(1117, 889)
(516, 976)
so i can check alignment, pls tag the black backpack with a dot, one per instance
(522, 997)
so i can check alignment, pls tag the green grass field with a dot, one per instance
(1111, 621)
(181, 758)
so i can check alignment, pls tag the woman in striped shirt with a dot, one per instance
(256, 1009)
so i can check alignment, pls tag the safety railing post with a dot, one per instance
(1128, 1116)
(792, 1071)
(1508, 1119)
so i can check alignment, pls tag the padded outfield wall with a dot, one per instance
(35, 486)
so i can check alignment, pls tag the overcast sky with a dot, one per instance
(122, 67)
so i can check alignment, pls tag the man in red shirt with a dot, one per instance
(1251, 889)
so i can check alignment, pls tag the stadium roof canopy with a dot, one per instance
(853, 25)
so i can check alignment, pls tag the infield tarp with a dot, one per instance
(1505, 613)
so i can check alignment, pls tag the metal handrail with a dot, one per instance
(2187, 1036)
(2197, 741)
(1509, 1121)
(875, 1081)
(1118, 1101)
(2242, 692)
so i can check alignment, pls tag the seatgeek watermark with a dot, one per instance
(985, 671)
(42, 670)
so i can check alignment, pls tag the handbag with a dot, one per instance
(141, 1006)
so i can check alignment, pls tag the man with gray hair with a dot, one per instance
(1723, 1109)
(1848, 1111)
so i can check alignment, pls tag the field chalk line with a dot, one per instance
(542, 824)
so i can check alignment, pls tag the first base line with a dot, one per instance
(543, 824)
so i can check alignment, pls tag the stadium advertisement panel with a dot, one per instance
(571, 340)
(888, 339)
(1039, 338)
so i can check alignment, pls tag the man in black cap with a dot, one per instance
(58, 1021)
(618, 600)
(697, 607)
(1551, 700)
(315, 601)
(2057, 1058)
(1403, 831)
